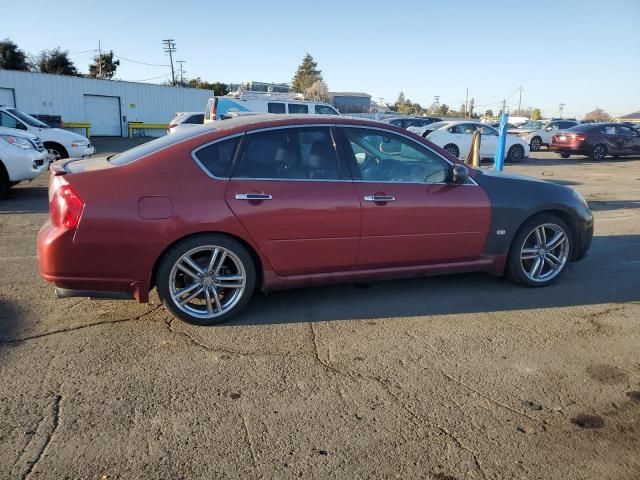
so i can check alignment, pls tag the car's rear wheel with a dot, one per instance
(515, 154)
(535, 144)
(598, 153)
(540, 251)
(565, 155)
(206, 279)
(452, 149)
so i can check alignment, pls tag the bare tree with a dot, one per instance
(598, 115)
(318, 92)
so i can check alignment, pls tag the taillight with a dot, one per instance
(580, 138)
(66, 207)
(172, 125)
(214, 108)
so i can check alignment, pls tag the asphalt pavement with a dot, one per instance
(453, 377)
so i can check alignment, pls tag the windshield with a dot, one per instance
(28, 119)
(537, 125)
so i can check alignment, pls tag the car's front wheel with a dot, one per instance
(540, 251)
(206, 279)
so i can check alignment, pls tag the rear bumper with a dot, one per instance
(57, 262)
(572, 149)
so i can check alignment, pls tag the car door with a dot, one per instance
(630, 139)
(489, 141)
(614, 142)
(411, 214)
(548, 131)
(296, 201)
(462, 135)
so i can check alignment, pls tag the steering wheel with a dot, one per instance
(371, 162)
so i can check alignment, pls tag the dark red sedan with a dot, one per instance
(208, 215)
(597, 140)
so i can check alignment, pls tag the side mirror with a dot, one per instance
(20, 126)
(459, 173)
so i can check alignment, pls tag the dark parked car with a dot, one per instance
(209, 214)
(597, 140)
(406, 122)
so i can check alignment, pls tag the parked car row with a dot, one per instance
(27, 146)
(455, 137)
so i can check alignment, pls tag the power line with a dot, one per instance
(152, 78)
(141, 63)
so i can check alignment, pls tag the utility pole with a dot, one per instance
(181, 71)
(99, 60)
(466, 103)
(170, 47)
(520, 100)
(504, 106)
(561, 109)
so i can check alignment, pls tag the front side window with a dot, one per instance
(298, 108)
(8, 121)
(290, 153)
(626, 131)
(217, 158)
(487, 130)
(273, 107)
(325, 110)
(386, 157)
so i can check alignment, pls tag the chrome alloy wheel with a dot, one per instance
(207, 281)
(544, 252)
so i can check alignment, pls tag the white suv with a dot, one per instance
(539, 132)
(184, 120)
(60, 143)
(22, 157)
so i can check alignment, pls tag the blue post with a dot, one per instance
(498, 159)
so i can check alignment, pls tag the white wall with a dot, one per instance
(46, 94)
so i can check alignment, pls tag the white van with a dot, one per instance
(59, 143)
(219, 107)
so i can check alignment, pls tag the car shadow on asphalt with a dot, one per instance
(576, 160)
(601, 278)
(604, 205)
(10, 319)
(25, 199)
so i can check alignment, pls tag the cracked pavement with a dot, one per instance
(441, 378)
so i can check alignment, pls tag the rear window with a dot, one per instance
(217, 158)
(196, 119)
(298, 108)
(583, 127)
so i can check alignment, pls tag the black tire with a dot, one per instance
(515, 154)
(515, 269)
(535, 144)
(598, 153)
(565, 155)
(452, 149)
(163, 277)
(56, 150)
(5, 183)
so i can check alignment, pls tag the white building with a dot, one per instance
(109, 105)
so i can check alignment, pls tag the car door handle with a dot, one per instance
(253, 196)
(379, 198)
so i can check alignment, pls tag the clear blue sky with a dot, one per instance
(583, 53)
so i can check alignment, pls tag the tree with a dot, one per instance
(443, 110)
(108, 64)
(219, 88)
(598, 115)
(401, 97)
(11, 57)
(472, 103)
(306, 75)
(318, 92)
(536, 114)
(488, 113)
(55, 61)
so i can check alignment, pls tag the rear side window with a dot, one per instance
(216, 158)
(298, 108)
(276, 107)
(324, 110)
(196, 119)
(290, 153)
